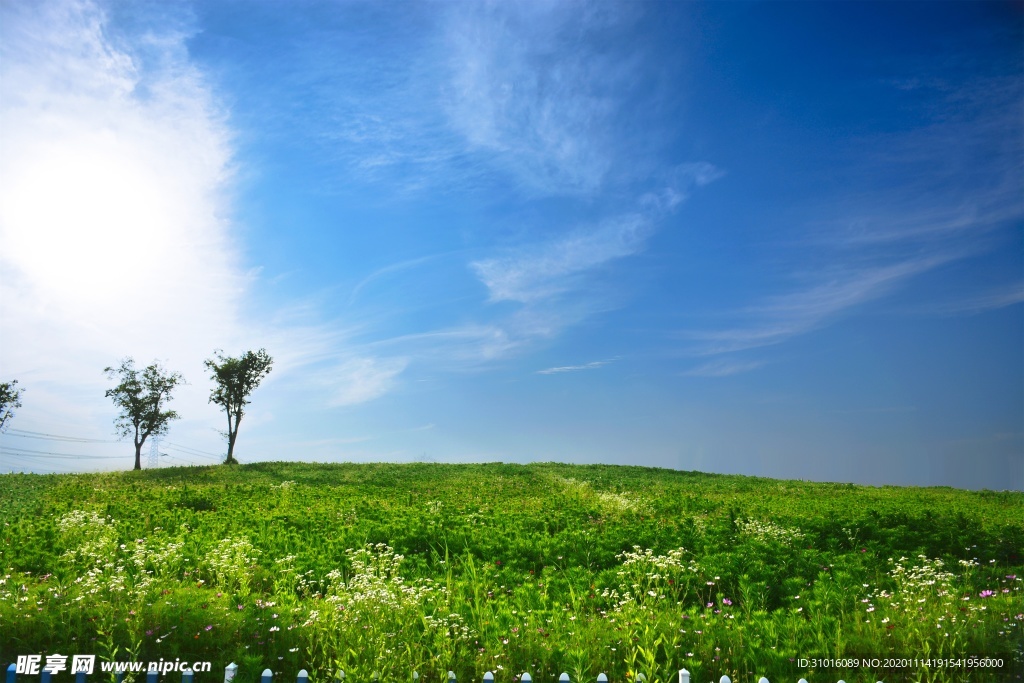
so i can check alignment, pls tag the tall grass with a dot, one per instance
(379, 570)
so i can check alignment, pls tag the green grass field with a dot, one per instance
(544, 568)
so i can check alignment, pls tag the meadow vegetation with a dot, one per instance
(383, 569)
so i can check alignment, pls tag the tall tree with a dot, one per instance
(142, 398)
(236, 378)
(10, 398)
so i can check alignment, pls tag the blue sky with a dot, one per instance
(777, 239)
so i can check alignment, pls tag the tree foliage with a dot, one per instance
(10, 399)
(142, 398)
(236, 379)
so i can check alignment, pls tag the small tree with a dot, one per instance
(10, 399)
(236, 378)
(142, 398)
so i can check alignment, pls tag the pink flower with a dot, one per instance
(209, 627)
(711, 604)
(726, 601)
(241, 607)
(986, 594)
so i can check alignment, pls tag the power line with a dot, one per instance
(55, 437)
(194, 454)
(24, 433)
(194, 450)
(30, 453)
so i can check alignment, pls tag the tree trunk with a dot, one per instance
(231, 448)
(138, 456)
(232, 435)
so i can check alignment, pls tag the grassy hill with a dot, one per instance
(386, 568)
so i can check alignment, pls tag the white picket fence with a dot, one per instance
(231, 670)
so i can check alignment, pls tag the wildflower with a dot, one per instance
(241, 607)
(726, 601)
(275, 628)
(209, 627)
(985, 594)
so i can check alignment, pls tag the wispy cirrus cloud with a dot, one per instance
(723, 368)
(933, 215)
(594, 365)
(546, 269)
(990, 300)
(363, 379)
(779, 318)
(388, 270)
(533, 87)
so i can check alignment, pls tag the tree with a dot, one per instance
(10, 399)
(236, 379)
(142, 398)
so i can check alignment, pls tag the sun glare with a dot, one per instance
(82, 219)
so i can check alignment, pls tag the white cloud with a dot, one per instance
(545, 269)
(987, 301)
(532, 87)
(113, 194)
(594, 365)
(364, 379)
(723, 368)
(782, 317)
(540, 271)
(116, 185)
